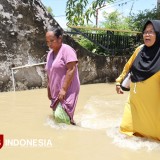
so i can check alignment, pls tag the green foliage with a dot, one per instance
(87, 44)
(137, 21)
(49, 9)
(115, 20)
(78, 12)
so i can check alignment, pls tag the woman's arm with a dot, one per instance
(48, 90)
(128, 66)
(71, 67)
(126, 69)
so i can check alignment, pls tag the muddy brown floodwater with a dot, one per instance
(30, 132)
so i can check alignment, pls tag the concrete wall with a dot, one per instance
(23, 24)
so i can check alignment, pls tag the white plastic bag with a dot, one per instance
(125, 85)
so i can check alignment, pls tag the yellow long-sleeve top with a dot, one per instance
(128, 65)
(142, 109)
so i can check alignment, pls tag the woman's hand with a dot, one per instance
(71, 67)
(118, 89)
(49, 97)
(49, 93)
(62, 94)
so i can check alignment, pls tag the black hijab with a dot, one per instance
(147, 62)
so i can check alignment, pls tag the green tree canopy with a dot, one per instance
(115, 20)
(138, 20)
(78, 12)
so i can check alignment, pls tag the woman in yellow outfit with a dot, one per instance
(142, 110)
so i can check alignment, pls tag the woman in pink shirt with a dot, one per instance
(62, 72)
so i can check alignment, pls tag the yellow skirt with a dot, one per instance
(142, 110)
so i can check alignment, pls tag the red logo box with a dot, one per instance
(1, 140)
